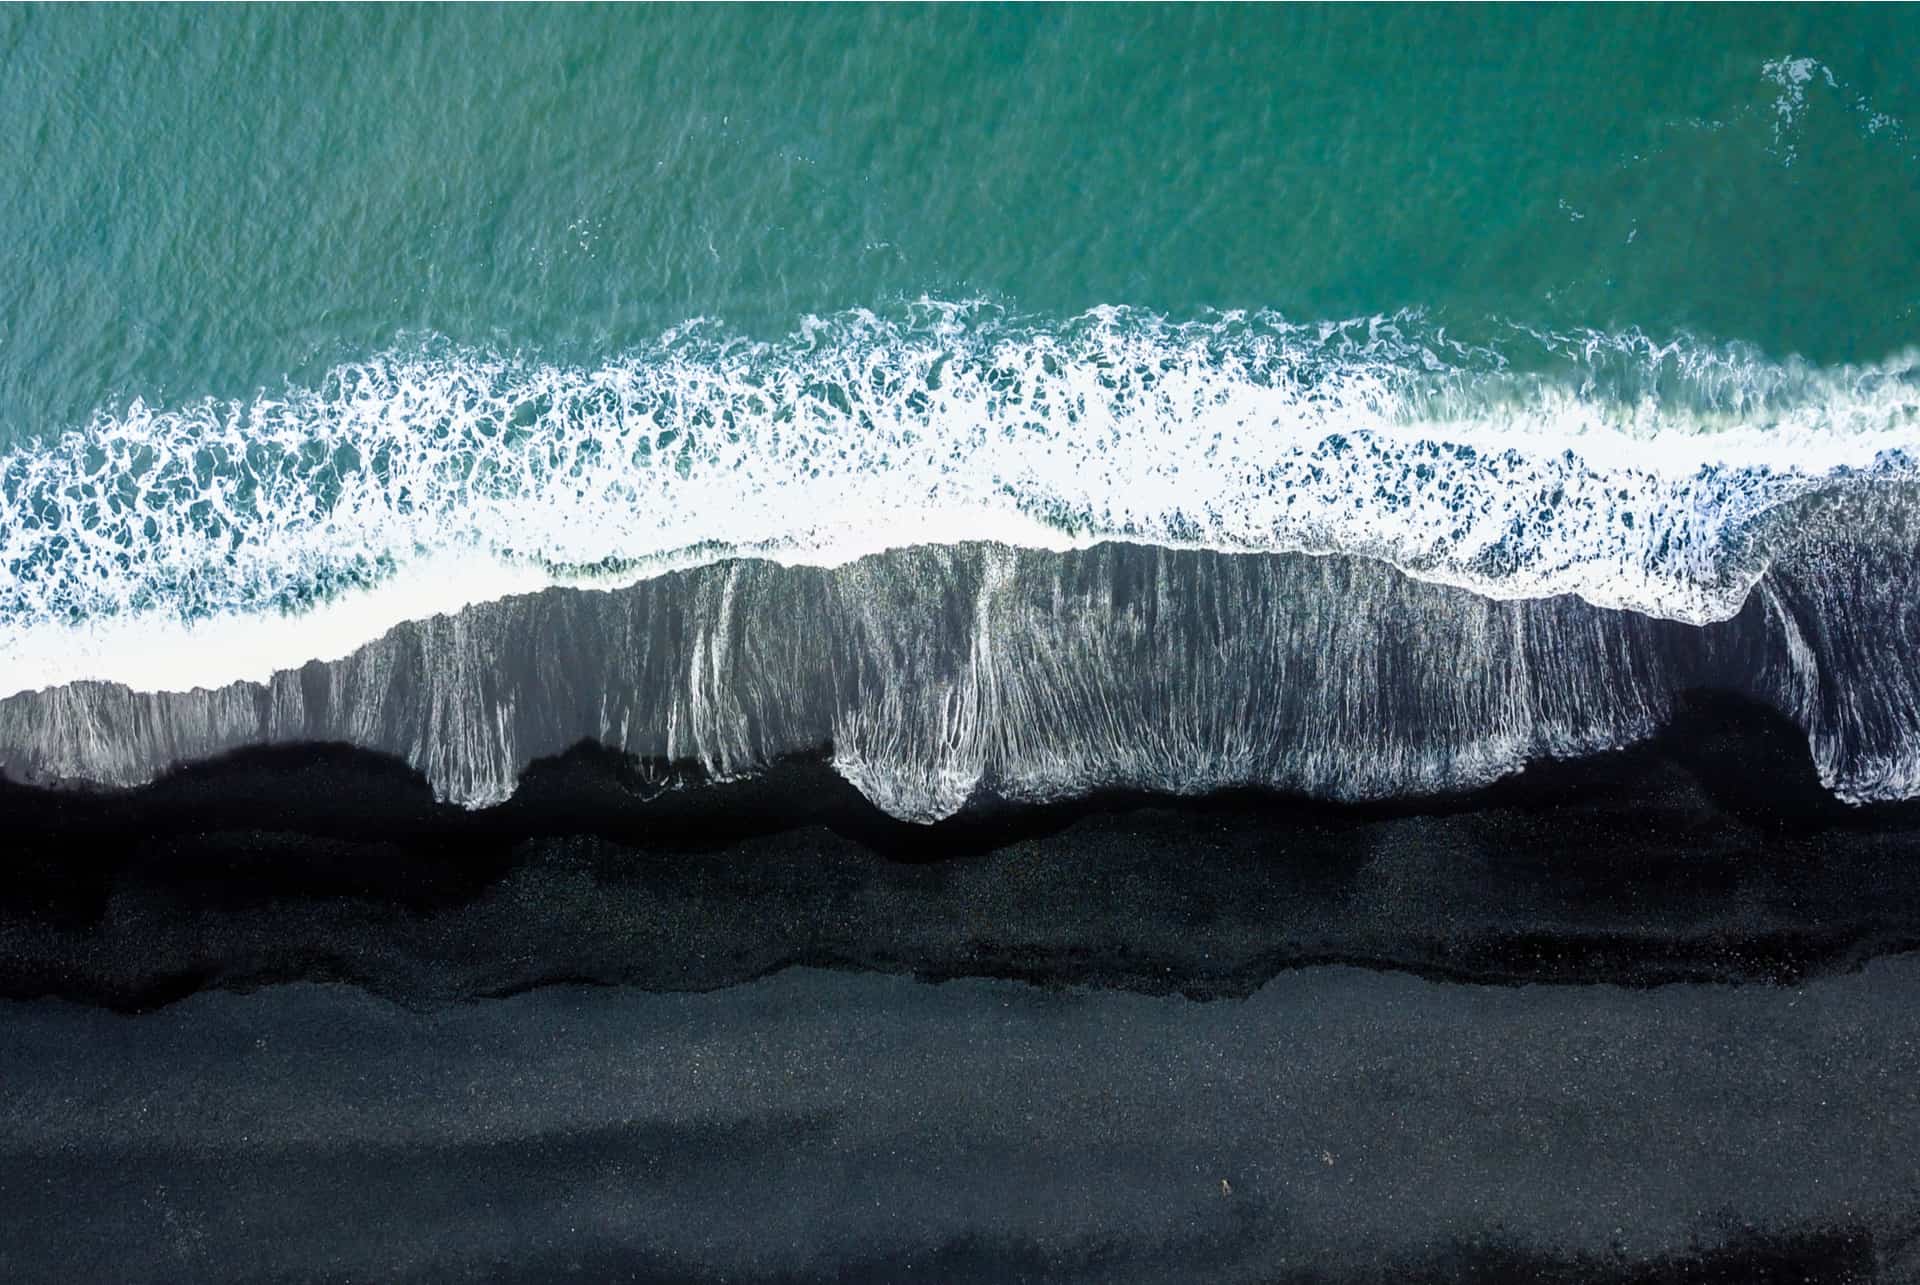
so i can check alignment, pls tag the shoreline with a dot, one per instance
(1708, 853)
(941, 673)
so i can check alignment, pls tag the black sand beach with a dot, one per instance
(1644, 1016)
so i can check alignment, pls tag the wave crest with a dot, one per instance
(1631, 473)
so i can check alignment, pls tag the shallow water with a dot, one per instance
(316, 324)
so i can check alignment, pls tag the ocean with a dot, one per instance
(308, 346)
(465, 470)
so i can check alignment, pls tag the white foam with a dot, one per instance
(156, 652)
(152, 651)
(1793, 78)
(176, 547)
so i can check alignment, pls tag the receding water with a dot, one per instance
(391, 310)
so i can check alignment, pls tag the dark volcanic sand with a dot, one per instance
(1722, 1084)
(1708, 854)
(1338, 1124)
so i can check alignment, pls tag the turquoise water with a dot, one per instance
(213, 200)
(293, 298)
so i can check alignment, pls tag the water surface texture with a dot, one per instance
(318, 325)
(210, 203)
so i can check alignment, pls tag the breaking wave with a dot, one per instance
(1631, 473)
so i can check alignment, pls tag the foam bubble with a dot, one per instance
(251, 535)
(1793, 77)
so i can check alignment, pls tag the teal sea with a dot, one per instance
(300, 302)
(211, 201)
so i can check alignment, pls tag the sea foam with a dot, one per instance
(188, 546)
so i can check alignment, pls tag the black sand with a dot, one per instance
(1642, 1017)
(1709, 853)
(1337, 1125)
